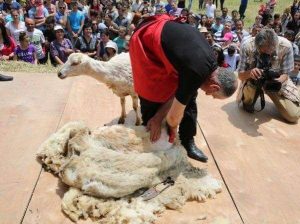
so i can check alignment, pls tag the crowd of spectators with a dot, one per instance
(37, 32)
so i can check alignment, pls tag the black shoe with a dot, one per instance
(6, 78)
(193, 151)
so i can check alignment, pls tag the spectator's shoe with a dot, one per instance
(6, 78)
(193, 151)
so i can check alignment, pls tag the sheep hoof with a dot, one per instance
(138, 123)
(121, 120)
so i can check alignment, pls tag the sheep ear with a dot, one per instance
(76, 60)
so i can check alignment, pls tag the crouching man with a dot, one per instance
(170, 62)
(265, 61)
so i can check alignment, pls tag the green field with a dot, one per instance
(18, 66)
(251, 12)
(252, 9)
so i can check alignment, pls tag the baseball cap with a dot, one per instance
(111, 44)
(58, 27)
(203, 29)
(228, 36)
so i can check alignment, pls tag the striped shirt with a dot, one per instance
(219, 37)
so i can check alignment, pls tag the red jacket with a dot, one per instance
(155, 78)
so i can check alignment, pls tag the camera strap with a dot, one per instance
(259, 93)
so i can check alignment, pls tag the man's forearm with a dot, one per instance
(244, 75)
(163, 110)
(175, 114)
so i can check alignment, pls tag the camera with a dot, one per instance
(269, 82)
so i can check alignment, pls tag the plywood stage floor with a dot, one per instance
(256, 156)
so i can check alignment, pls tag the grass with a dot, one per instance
(252, 8)
(18, 66)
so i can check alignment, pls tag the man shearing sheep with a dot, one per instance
(170, 62)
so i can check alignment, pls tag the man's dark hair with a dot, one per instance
(94, 12)
(231, 50)
(50, 20)
(87, 25)
(239, 20)
(105, 32)
(290, 34)
(276, 16)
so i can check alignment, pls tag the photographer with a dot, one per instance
(264, 65)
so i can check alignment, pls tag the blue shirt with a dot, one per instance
(215, 28)
(75, 19)
(58, 16)
(168, 7)
(9, 18)
(13, 5)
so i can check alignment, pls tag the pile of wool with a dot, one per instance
(107, 170)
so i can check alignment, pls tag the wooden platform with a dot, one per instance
(256, 156)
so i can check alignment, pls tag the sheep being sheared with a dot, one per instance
(107, 168)
(115, 73)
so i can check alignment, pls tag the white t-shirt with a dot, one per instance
(15, 31)
(135, 7)
(210, 10)
(232, 60)
(37, 39)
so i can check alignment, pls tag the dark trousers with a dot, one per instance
(222, 4)
(43, 60)
(242, 11)
(188, 124)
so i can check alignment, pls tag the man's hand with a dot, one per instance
(255, 73)
(172, 133)
(154, 126)
(282, 78)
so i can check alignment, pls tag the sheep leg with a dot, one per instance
(123, 113)
(135, 105)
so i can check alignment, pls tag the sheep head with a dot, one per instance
(76, 64)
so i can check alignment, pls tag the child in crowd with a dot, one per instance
(217, 26)
(210, 9)
(25, 51)
(219, 54)
(290, 35)
(295, 74)
(111, 50)
(232, 58)
(228, 38)
(120, 40)
(39, 13)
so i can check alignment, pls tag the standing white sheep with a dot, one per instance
(115, 73)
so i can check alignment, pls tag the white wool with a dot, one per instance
(162, 143)
(108, 168)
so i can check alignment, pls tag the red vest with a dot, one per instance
(155, 78)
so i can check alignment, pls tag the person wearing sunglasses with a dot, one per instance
(61, 15)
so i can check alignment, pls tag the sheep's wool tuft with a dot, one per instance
(107, 169)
